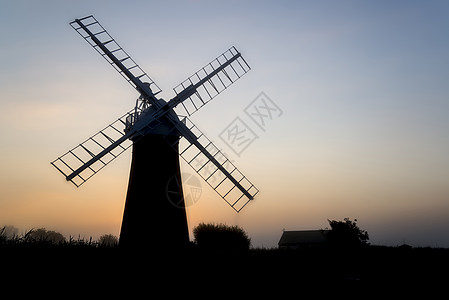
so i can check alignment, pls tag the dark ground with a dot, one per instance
(369, 271)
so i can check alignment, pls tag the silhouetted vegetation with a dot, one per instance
(108, 240)
(221, 237)
(8, 232)
(220, 256)
(346, 234)
(43, 238)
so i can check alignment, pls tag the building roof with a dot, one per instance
(303, 237)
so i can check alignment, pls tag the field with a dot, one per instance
(374, 270)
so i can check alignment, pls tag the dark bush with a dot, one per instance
(108, 240)
(221, 238)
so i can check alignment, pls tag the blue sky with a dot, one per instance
(363, 87)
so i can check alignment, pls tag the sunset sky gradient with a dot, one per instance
(363, 87)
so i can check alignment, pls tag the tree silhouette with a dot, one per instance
(346, 234)
(43, 235)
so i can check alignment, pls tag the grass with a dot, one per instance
(371, 268)
(375, 270)
(42, 238)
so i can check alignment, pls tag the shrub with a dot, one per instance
(221, 237)
(108, 240)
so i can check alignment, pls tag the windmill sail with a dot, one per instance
(211, 80)
(85, 160)
(213, 166)
(92, 31)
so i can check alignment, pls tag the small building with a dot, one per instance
(303, 239)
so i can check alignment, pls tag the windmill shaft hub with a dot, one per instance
(161, 120)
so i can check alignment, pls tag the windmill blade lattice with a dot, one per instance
(89, 28)
(215, 168)
(82, 156)
(88, 158)
(229, 67)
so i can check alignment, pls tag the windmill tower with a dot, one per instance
(159, 131)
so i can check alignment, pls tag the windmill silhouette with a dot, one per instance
(160, 132)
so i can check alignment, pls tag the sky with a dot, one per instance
(359, 94)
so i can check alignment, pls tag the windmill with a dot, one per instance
(159, 131)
